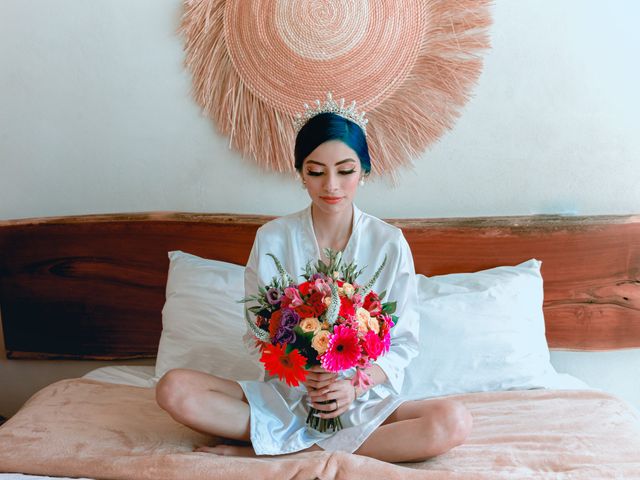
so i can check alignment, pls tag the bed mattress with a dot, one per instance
(89, 428)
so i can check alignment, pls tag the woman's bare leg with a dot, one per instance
(415, 431)
(210, 405)
(418, 430)
(206, 403)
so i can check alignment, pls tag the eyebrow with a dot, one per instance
(346, 160)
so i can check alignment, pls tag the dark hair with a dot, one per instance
(330, 126)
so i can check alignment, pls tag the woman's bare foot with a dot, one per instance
(240, 451)
(228, 450)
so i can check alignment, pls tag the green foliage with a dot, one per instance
(389, 307)
(335, 269)
(257, 331)
(303, 344)
(334, 306)
(367, 288)
(286, 279)
(346, 272)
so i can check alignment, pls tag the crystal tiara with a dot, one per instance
(330, 105)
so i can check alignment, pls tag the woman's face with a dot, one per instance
(331, 174)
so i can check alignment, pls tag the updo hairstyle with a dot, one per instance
(330, 126)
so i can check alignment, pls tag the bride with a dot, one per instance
(269, 417)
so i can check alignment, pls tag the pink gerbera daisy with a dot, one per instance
(343, 351)
(386, 343)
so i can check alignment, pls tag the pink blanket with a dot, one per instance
(87, 428)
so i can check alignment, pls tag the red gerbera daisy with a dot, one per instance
(343, 351)
(288, 366)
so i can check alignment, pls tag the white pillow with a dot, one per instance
(483, 331)
(202, 321)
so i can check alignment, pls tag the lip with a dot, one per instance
(331, 200)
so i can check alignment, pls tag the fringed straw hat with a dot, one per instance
(410, 64)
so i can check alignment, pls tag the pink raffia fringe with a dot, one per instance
(400, 128)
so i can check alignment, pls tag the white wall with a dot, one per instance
(96, 116)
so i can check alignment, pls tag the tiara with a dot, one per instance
(330, 105)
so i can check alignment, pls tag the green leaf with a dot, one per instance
(334, 306)
(286, 279)
(389, 307)
(367, 288)
(250, 298)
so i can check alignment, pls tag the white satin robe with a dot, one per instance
(279, 412)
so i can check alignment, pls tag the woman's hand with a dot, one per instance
(319, 378)
(339, 393)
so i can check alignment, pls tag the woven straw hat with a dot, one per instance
(410, 64)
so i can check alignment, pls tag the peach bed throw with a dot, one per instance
(82, 427)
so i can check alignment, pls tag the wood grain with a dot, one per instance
(92, 286)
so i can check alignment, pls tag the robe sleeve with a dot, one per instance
(404, 335)
(251, 288)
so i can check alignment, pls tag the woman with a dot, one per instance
(332, 159)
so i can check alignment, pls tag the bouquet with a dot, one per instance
(328, 319)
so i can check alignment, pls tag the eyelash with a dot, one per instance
(317, 174)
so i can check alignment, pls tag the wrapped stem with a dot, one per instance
(323, 424)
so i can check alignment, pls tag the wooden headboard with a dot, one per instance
(93, 286)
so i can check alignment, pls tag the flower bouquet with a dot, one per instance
(328, 319)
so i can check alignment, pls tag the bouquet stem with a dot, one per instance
(323, 424)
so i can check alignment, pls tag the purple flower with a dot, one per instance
(288, 322)
(273, 296)
(285, 336)
(289, 318)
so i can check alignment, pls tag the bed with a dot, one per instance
(504, 289)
